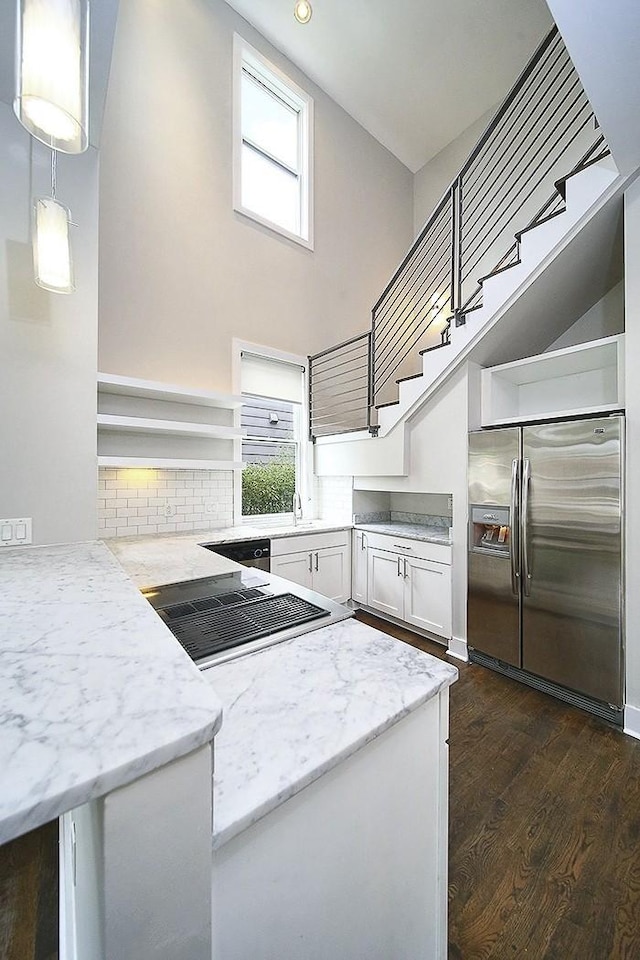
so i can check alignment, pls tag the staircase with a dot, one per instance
(539, 172)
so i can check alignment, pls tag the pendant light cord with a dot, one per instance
(54, 172)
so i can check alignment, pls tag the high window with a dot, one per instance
(273, 445)
(273, 124)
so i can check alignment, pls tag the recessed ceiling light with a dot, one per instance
(302, 11)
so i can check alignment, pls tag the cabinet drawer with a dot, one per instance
(309, 541)
(438, 552)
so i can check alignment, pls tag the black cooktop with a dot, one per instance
(208, 617)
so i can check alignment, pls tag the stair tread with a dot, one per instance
(436, 346)
(538, 223)
(561, 181)
(389, 403)
(412, 376)
(494, 273)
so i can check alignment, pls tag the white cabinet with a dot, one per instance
(409, 580)
(359, 566)
(584, 379)
(320, 561)
(142, 423)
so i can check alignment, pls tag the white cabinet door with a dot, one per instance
(359, 568)
(331, 574)
(385, 582)
(293, 566)
(427, 595)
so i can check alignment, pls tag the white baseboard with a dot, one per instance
(458, 649)
(632, 721)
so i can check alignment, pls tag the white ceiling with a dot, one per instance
(414, 73)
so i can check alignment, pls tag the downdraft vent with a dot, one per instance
(204, 632)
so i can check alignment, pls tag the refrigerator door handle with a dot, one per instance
(524, 526)
(513, 534)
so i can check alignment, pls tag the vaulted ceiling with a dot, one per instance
(414, 73)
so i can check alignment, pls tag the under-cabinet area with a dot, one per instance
(321, 562)
(404, 579)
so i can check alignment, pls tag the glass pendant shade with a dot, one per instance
(52, 246)
(52, 72)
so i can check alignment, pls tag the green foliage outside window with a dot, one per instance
(268, 487)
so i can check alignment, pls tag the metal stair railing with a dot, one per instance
(543, 131)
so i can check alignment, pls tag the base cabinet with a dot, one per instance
(406, 580)
(321, 563)
(307, 883)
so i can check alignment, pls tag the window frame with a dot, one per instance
(305, 477)
(244, 55)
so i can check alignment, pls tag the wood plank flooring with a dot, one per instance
(29, 896)
(544, 837)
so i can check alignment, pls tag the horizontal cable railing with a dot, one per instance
(339, 388)
(543, 132)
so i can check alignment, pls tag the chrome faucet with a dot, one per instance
(297, 507)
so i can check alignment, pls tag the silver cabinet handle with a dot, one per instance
(310, 563)
(399, 562)
(526, 480)
(316, 562)
(514, 539)
(364, 542)
(405, 569)
(401, 546)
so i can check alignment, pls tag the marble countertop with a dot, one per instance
(94, 690)
(296, 710)
(170, 558)
(413, 531)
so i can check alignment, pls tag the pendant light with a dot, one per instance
(52, 72)
(302, 11)
(52, 262)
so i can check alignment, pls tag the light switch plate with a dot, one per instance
(15, 531)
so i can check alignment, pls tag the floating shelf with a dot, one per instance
(158, 463)
(152, 390)
(146, 424)
(576, 381)
(170, 427)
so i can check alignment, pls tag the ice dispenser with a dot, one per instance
(489, 530)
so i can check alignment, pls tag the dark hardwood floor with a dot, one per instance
(29, 896)
(544, 837)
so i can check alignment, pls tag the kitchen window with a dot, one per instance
(274, 445)
(273, 123)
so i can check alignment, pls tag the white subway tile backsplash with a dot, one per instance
(131, 503)
(334, 498)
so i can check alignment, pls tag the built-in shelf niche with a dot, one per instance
(579, 380)
(143, 423)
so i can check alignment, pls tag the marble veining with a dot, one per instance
(169, 558)
(94, 690)
(294, 711)
(413, 531)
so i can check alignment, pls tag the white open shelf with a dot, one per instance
(152, 390)
(580, 380)
(175, 428)
(143, 423)
(168, 464)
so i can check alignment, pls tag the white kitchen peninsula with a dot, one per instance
(330, 787)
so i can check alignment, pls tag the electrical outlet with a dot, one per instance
(450, 502)
(15, 532)
(211, 507)
(168, 510)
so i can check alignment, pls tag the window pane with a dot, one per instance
(267, 419)
(269, 478)
(270, 191)
(268, 122)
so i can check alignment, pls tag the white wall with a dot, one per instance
(180, 272)
(604, 319)
(437, 463)
(431, 181)
(48, 348)
(632, 493)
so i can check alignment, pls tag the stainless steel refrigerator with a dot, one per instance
(545, 558)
